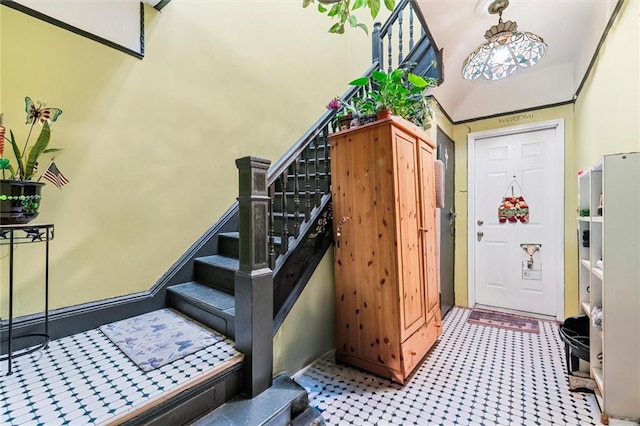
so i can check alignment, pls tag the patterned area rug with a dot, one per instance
(502, 320)
(157, 338)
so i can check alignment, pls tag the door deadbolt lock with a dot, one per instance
(480, 222)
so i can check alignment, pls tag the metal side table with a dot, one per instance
(26, 234)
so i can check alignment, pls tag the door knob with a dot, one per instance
(480, 234)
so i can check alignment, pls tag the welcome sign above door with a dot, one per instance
(117, 24)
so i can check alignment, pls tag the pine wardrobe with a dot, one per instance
(386, 254)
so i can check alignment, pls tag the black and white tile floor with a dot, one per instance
(85, 379)
(476, 375)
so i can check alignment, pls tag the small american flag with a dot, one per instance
(53, 175)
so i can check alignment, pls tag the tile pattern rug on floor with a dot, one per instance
(157, 338)
(502, 320)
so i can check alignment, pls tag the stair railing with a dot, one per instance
(285, 175)
(386, 49)
(292, 174)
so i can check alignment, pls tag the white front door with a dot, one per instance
(517, 265)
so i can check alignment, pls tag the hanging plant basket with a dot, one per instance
(19, 201)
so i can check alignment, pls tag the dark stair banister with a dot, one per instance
(316, 129)
(428, 50)
(304, 243)
(254, 281)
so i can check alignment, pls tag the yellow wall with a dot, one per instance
(149, 145)
(439, 120)
(309, 329)
(608, 109)
(571, 199)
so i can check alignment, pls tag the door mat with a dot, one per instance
(502, 320)
(157, 338)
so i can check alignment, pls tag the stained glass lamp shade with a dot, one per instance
(506, 51)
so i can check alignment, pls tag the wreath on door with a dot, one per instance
(513, 208)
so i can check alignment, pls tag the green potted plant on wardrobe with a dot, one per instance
(20, 194)
(399, 92)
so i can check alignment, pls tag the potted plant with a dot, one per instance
(20, 195)
(346, 114)
(398, 92)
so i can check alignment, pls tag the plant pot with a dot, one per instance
(19, 201)
(344, 122)
(385, 113)
(366, 119)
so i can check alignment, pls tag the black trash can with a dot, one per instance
(574, 332)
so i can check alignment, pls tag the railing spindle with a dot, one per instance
(272, 231)
(327, 161)
(390, 49)
(296, 197)
(316, 169)
(284, 243)
(400, 37)
(307, 184)
(410, 26)
(376, 43)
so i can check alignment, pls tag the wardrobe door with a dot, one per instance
(429, 255)
(413, 309)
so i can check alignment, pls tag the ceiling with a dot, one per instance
(571, 28)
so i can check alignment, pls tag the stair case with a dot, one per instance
(297, 230)
(299, 235)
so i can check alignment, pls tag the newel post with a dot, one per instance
(254, 279)
(376, 44)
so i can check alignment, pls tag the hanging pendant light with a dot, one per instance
(505, 51)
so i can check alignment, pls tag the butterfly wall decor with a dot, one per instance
(24, 166)
(39, 113)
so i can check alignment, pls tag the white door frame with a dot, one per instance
(558, 200)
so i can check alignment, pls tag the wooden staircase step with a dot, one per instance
(184, 402)
(209, 306)
(216, 271)
(229, 244)
(279, 405)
